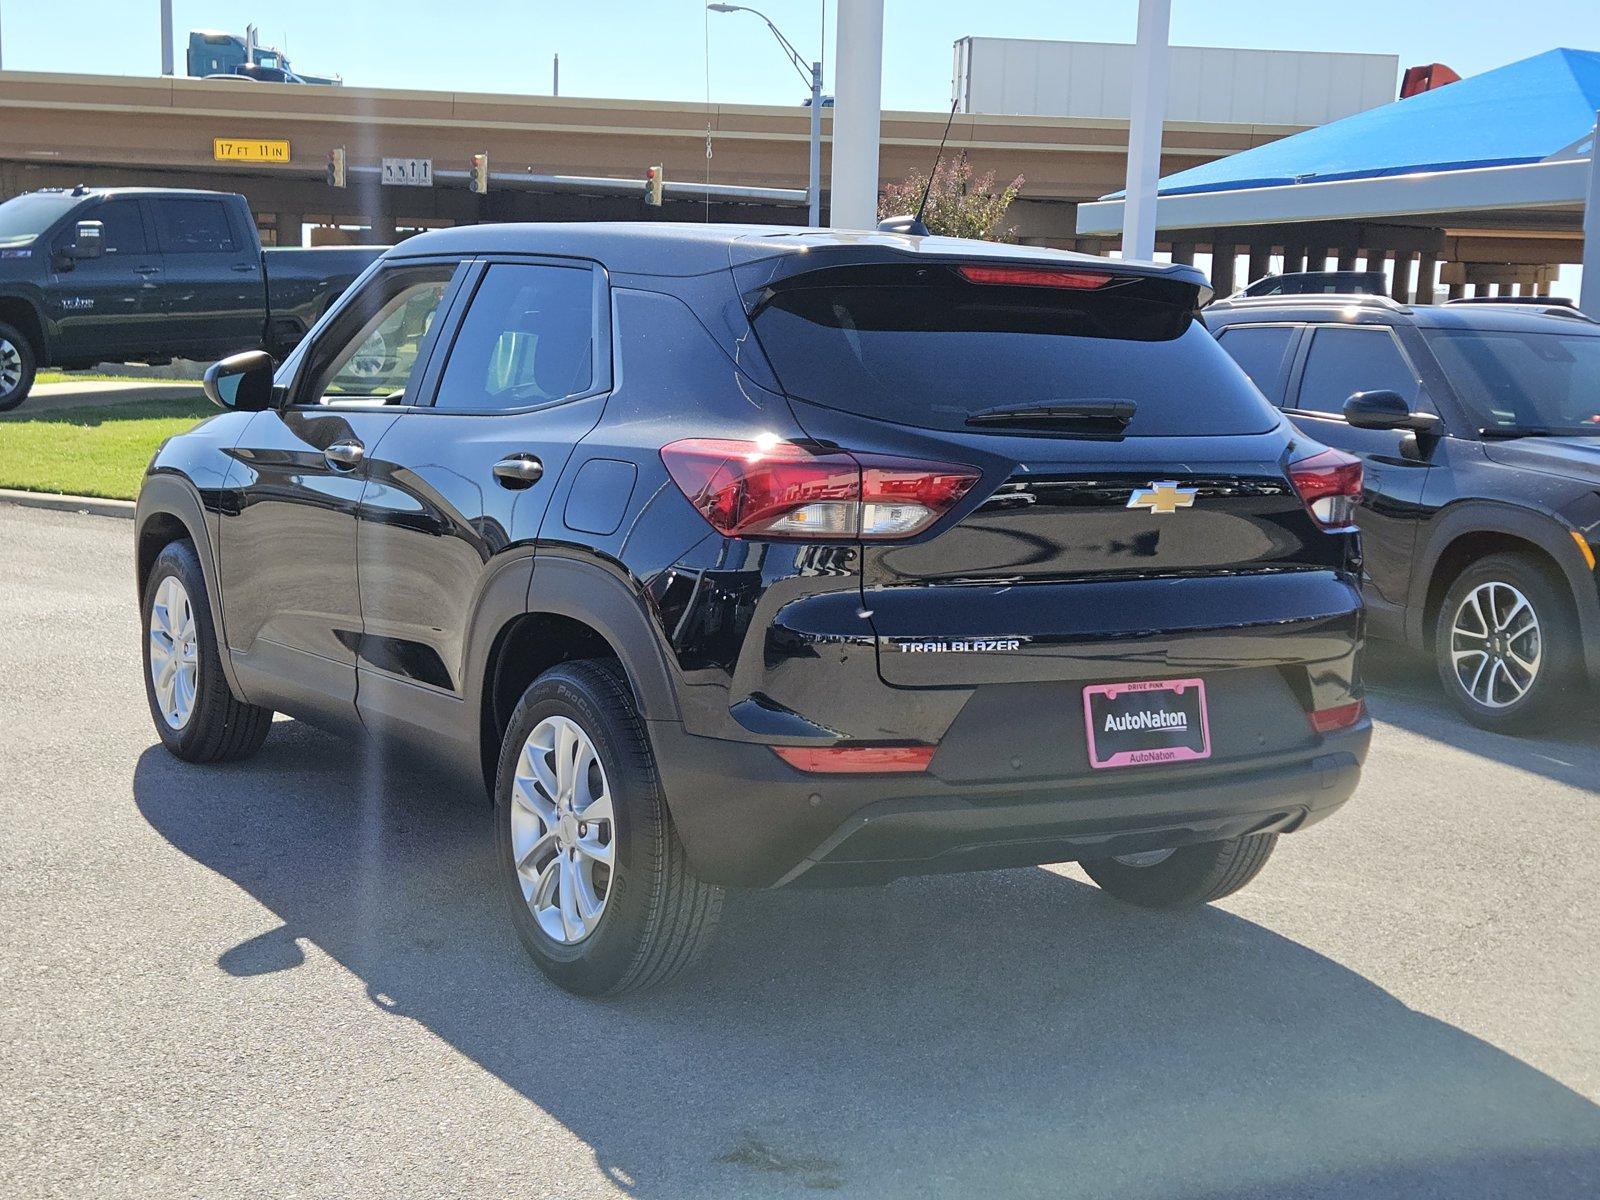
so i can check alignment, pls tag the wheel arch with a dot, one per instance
(572, 609)
(1469, 532)
(24, 314)
(170, 510)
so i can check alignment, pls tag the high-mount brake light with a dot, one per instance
(771, 488)
(1049, 277)
(1329, 484)
(856, 760)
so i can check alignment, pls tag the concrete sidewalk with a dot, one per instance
(46, 397)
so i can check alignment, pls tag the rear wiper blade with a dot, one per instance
(1087, 417)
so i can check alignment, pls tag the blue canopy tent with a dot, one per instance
(1506, 150)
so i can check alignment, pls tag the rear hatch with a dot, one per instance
(1134, 517)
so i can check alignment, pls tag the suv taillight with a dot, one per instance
(1329, 483)
(771, 488)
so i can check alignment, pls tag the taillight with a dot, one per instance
(1329, 483)
(1035, 277)
(779, 489)
(1327, 720)
(856, 760)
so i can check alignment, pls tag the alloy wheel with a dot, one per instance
(174, 657)
(563, 832)
(10, 366)
(1495, 644)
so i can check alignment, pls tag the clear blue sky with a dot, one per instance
(656, 48)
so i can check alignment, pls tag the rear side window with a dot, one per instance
(922, 346)
(527, 339)
(1347, 360)
(1260, 351)
(193, 227)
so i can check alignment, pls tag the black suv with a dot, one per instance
(750, 556)
(1479, 426)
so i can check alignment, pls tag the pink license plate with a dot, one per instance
(1156, 721)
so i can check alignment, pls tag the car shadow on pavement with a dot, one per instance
(1404, 691)
(1007, 1034)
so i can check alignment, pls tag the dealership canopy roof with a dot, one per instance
(1510, 145)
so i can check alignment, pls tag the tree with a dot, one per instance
(958, 205)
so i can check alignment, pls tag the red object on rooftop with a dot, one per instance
(1425, 79)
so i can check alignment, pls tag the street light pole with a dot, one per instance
(813, 77)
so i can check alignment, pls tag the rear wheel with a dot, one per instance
(195, 712)
(1506, 644)
(598, 886)
(1184, 877)
(17, 365)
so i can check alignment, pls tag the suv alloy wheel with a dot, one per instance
(1506, 643)
(598, 885)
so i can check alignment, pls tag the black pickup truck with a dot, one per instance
(96, 275)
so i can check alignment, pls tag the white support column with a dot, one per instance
(166, 37)
(1589, 296)
(1144, 129)
(857, 107)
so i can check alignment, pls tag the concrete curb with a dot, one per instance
(93, 505)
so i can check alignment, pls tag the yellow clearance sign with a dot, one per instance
(253, 150)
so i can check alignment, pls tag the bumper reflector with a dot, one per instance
(1326, 720)
(856, 760)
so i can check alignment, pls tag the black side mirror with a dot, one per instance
(1383, 409)
(88, 241)
(241, 382)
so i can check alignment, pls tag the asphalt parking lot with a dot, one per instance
(292, 977)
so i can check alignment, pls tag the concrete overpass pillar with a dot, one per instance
(1427, 274)
(1223, 267)
(289, 227)
(1400, 287)
(1589, 295)
(1260, 262)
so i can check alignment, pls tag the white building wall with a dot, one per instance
(1027, 77)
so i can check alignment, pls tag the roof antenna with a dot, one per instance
(914, 225)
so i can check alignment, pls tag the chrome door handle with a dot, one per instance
(345, 456)
(147, 270)
(516, 471)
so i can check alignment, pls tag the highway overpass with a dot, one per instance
(59, 130)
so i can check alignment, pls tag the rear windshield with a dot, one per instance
(921, 346)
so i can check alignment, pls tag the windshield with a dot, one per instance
(931, 351)
(25, 217)
(1524, 382)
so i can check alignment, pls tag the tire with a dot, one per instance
(214, 726)
(655, 917)
(18, 364)
(1513, 585)
(1186, 877)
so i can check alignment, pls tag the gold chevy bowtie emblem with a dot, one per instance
(1162, 496)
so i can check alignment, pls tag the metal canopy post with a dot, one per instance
(1589, 294)
(1144, 129)
(857, 110)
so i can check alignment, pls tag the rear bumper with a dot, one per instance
(747, 819)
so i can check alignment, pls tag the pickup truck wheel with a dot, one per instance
(1184, 877)
(599, 889)
(195, 712)
(17, 366)
(1505, 644)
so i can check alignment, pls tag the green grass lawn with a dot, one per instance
(91, 451)
(102, 377)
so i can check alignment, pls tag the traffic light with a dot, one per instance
(336, 167)
(478, 176)
(653, 180)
